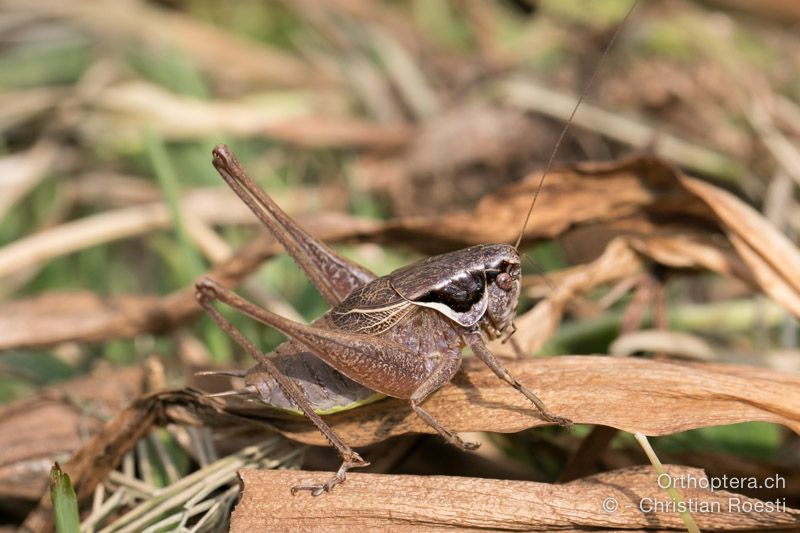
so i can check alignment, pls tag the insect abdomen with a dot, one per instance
(328, 390)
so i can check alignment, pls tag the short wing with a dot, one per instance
(371, 310)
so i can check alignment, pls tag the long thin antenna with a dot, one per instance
(571, 116)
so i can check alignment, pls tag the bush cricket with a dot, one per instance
(398, 335)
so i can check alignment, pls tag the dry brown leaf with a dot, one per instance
(646, 199)
(773, 259)
(53, 424)
(673, 219)
(435, 503)
(620, 260)
(692, 252)
(655, 398)
(536, 326)
(652, 397)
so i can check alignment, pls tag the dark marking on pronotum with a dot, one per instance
(460, 294)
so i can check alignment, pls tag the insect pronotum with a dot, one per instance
(398, 335)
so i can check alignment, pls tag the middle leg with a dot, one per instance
(442, 374)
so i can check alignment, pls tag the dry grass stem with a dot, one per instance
(529, 95)
(21, 173)
(675, 496)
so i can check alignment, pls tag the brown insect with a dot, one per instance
(399, 335)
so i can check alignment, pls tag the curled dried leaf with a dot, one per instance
(772, 258)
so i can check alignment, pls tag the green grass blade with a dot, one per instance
(167, 179)
(65, 504)
(190, 264)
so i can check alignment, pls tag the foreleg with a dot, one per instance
(482, 352)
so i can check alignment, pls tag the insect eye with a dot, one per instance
(504, 281)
